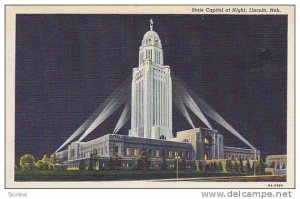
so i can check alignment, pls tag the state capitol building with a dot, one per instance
(151, 124)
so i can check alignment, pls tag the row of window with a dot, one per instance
(157, 153)
(100, 151)
(135, 152)
(98, 166)
(158, 74)
(153, 55)
(276, 159)
(238, 157)
(277, 165)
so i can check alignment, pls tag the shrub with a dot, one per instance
(27, 162)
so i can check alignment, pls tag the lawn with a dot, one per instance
(108, 175)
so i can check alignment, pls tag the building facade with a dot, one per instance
(128, 150)
(276, 161)
(194, 147)
(276, 164)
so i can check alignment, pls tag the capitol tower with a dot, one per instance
(151, 93)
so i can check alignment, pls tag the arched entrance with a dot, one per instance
(162, 137)
(208, 147)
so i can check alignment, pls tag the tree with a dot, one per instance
(82, 165)
(241, 166)
(53, 158)
(207, 167)
(47, 162)
(273, 165)
(163, 167)
(44, 164)
(215, 167)
(278, 166)
(236, 166)
(111, 163)
(220, 167)
(182, 164)
(114, 162)
(91, 168)
(210, 167)
(143, 162)
(93, 160)
(247, 166)
(261, 167)
(139, 163)
(27, 162)
(229, 165)
(40, 165)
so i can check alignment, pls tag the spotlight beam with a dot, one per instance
(123, 118)
(120, 89)
(113, 105)
(182, 94)
(208, 110)
(180, 106)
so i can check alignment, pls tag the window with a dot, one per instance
(116, 150)
(157, 153)
(206, 141)
(128, 151)
(150, 152)
(185, 140)
(170, 154)
(136, 152)
(181, 154)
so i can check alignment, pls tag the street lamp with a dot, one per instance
(177, 157)
(254, 167)
(254, 163)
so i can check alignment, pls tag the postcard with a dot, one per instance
(166, 96)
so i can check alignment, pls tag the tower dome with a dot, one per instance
(151, 48)
(151, 38)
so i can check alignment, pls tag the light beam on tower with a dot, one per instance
(196, 110)
(114, 105)
(125, 116)
(180, 105)
(218, 118)
(120, 92)
(189, 102)
(180, 85)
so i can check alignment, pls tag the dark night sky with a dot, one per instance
(67, 64)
